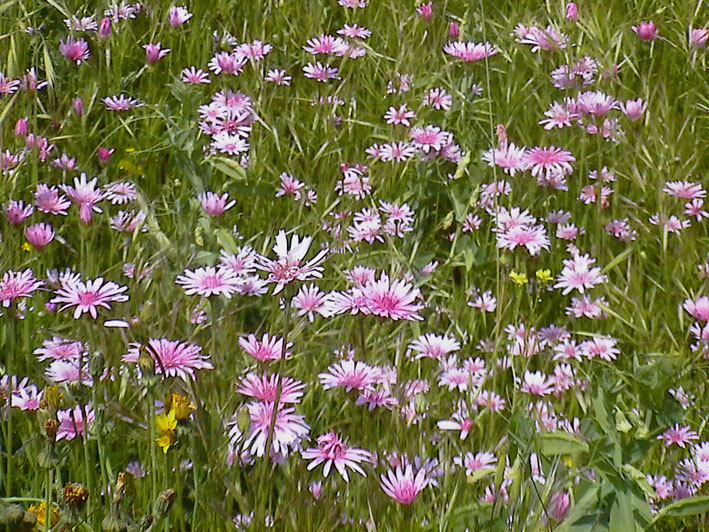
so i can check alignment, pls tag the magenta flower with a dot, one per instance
(85, 194)
(265, 388)
(572, 12)
(320, 73)
(17, 212)
(678, 435)
(647, 31)
(88, 296)
(104, 30)
(267, 349)
(288, 430)
(404, 486)
(173, 358)
(310, 300)
(289, 265)
(76, 50)
(227, 63)
(326, 44)
(104, 154)
(633, 109)
(39, 235)
(350, 375)
(16, 285)
(8, 85)
(210, 281)
(470, 51)
(154, 52)
(549, 162)
(72, 423)
(215, 205)
(395, 299)
(425, 10)
(698, 37)
(331, 450)
(121, 103)
(699, 309)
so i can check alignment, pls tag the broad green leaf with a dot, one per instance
(560, 442)
(228, 167)
(688, 507)
(621, 518)
(479, 474)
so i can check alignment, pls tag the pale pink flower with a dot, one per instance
(684, 189)
(698, 37)
(433, 346)
(510, 158)
(572, 12)
(354, 32)
(209, 281)
(279, 77)
(537, 383)
(288, 429)
(578, 274)
(404, 486)
(633, 109)
(678, 435)
(548, 161)
(193, 75)
(267, 349)
(72, 423)
(88, 296)
(39, 235)
(321, 73)
(540, 39)
(331, 450)
(172, 358)
(178, 15)
(14, 286)
(265, 388)
(76, 50)
(603, 347)
(310, 300)
(469, 51)
(438, 99)
(534, 238)
(154, 52)
(699, 308)
(215, 205)
(58, 348)
(402, 115)
(326, 44)
(350, 375)
(121, 103)
(395, 299)
(473, 462)
(227, 63)
(647, 31)
(17, 212)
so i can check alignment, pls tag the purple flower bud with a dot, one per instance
(572, 11)
(78, 105)
(453, 30)
(105, 28)
(21, 127)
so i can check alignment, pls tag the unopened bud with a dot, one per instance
(164, 503)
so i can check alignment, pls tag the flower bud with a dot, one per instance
(105, 28)
(78, 105)
(572, 11)
(164, 503)
(21, 127)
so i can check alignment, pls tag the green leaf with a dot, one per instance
(621, 518)
(229, 167)
(479, 474)
(688, 507)
(561, 442)
(462, 165)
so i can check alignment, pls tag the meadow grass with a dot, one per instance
(563, 382)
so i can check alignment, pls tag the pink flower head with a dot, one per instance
(559, 504)
(178, 15)
(289, 265)
(537, 383)
(699, 309)
(548, 161)
(267, 349)
(310, 300)
(678, 435)
(572, 12)
(76, 50)
(698, 37)
(453, 30)
(578, 274)
(21, 127)
(425, 10)
(350, 375)
(647, 31)
(88, 296)
(78, 105)
(39, 235)
(17, 212)
(434, 346)
(154, 52)
(104, 30)
(104, 154)
(404, 486)
(176, 359)
(16, 285)
(470, 51)
(265, 387)
(288, 429)
(193, 75)
(331, 450)
(215, 205)
(210, 281)
(633, 109)
(72, 423)
(395, 300)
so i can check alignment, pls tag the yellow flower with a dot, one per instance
(166, 425)
(544, 276)
(182, 406)
(40, 511)
(26, 246)
(518, 278)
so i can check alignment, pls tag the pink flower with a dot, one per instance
(559, 504)
(453, 30)
(174, 358)
(699, 309)
(278, 77)
(310, 300)
(71, 422)
(537, 383)
(434, 346)
(39, 235)
(548, 161)
(16, 285)
(326, 44)
(678, 435)
(425, 10)
(289, 265)
(88, 296)
(392, 299)
(534, 238)
(210, 281)
(698, 37)
(288, 429)
(320, 73)
(84, 194)
(578, 274)
(647, 31)
(265, 387)
(633, 109)
(154, 52)
(350, 375)
(331, 450)
(684, 189)
(78, 106)
(104, 30)
(178, 15)
(58, 348)
(121, 103)
(510, 158)
(21, 127)
(267, 349)
(572, 12)
(474, 462)
(76, 50)
(17, 212)
(469, 51)
(215, 205)
(192, 75)
(227, 63)
(404, 486)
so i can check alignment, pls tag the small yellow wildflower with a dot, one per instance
(518, 278)
(544, 276)
(40, 511)
(166, 425)
(27, 247)
(182, 406)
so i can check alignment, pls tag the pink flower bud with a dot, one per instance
(105, 28)
(21, 127)
(78, 105)
(86, 213)
(698, 37)
(39, 235)
(104, 154)
(154, 52)
(425, 10)
(572, 12)
(633, 109)
(453, 30)
(559, 505)
(30, 141)
(647, 31)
